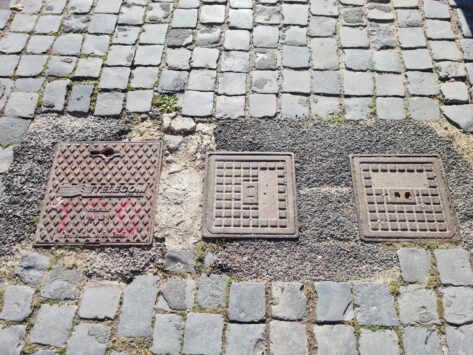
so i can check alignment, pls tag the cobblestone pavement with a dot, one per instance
(48, 309)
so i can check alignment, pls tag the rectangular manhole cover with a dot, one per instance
(250, 195)
(402, 198)
(101, 193)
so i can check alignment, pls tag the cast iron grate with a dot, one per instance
(402, 198)
(101, 193)
(250, 195)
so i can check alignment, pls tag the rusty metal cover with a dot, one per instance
(250, 195)
(101, 193)
(402, 197)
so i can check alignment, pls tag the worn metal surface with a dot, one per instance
(250, 195)
(402, 198)
(101, 193)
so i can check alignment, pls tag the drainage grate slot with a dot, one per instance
(402, 198)
(250, 195)
(101, 193)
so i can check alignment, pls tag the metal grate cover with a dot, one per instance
(402, 197)
(250, 195)
(101, 193)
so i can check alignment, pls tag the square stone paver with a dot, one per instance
(262, 105)
(295, 81)
(100, 301)
(247, 302)
(89, 339)
(114, 78)
(144, 77)
(418, 305)
(415, 264)
(197, 103)
(212, 291)
(374, 305)
(12, 339)
(454, 267)
(245, 339)
(79, 100)
(17, 301)
(62, 284)
(168, 334)
(203, 334)
(202, 80)
(21, 104)
(265, 82)
(139, 100)
(109, 103)
(288, 338)
(424, 109)
(334, 302)
(335, 339)
(54, 96)
(458, 305)
(12, 130)
(230, 107)
(421, 341)
(53, 325)
(294, 106)
(378, 342)
(390, 108)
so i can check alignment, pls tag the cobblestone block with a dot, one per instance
(6, 86)
(12, 130)
(289, 301)
(421, 341)
(12, 43)
(88, 68)
(53, 325)
(358, 83)
(59, 66)
(358, 108)
(153, 34)
(445, 50)
(9, 63)
(455, 93)
(353, 37)
(79, 101)
(31, 65)
(168, 334)
(23, 23)
(335, 339)
(458, 305)
(390, 108)
(294, 106)
(120, 56)
(172, 81)
(108, 6)
(294, 36)
(54, 96)
(380, 13)
(127, 35)
(353, 16)
(203, 334)
(295, 57)
(17, 302)
(381, 36)
(267, 15)
(409, 18)
(95, 45)
(324, 54)
(102, 23)
(179, 293)
(100, 301)
(212, 14)
(374, 305)
(454, 267)
(4, 17)
(447, 70)
(39, 44)
(21, 104)
(389, 85)
(424, 109)
(324, 8)
(265, 82)
(245, 339)
(296, 81)
(411, 37)
(205, 58)
(461, 115)
(247, 299)
(241, 4)
(266, 36)
(320, 26)
(387, 61)
(288, 337)
(418, 306)
(144, 77)
(89, 339)
(240, 18)
(207, 36)
(138, 307)
(236, 40)
(75, 23)
(139, 100)
(79, 6)
(180, 125)
(109, 104)
(212, 291)
(269, 59)
(202, 80)
(465, 18)
(295, 14)
(12, 339)
(6, 158)
(27, 85)
(358, 59)
(159, 12)
(415, 264)
(114, 78)
(179, 38)
(422, 84)
(179, 260)
(334, 302)
(48, 24)
(437, 29)
(436, 10)
(68, 44)
(238, 62)
(62, 284)
(417, 59)
(232, 84)
(197, 104)
(230, 107)
(459, 340)
(378, 342)
(184, 18)
(133, 15)
(178, 58)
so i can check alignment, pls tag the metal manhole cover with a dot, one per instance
(250, 195)
(102, 193)
(402, 198)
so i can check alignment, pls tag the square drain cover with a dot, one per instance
(102, 193)
(402, 198)
(250, 195)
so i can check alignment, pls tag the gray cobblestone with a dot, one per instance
(358, 108)
(295, 14)
(389, 85)
(245, 339)
(12, 339)
(89, 339)
(12, 43)
(212, 291)
(415, 264)
(212, 14)
(114, 78)
(120, 55)
(202, 80)
(436, 10)
(79, 6)
(126, 35)
(335, 339)
(409, 18)
(159, 12)
(79, 101)
(9, 63)
(424, 109)
(412, 37)
(421, 341)
(288, 338)
(95, 45)
(102, 23)
(109, 104)
(132, 15)
(422, 84)
(358, 83)
(75, 23)
(59, 66)
(184, 18)
(88, 68)
(295, 57)
(324, 8)
(179, 293)
(268, 15)
(144, 77)
(353, 37)
(417, 59)
(208, 36)
(374, 305)
(21, 104)
(39, 44)
(108, 6)
(62, 284)
(358, 59)
(458, 305)
(436, 29)
(265, 82)
(334, 302)
(266, 36)
(235, 62)
(172, 81)
(455, 93)
(203, 334)
(381, 36)
(48, 24)
(178, 58)
(378, 342)
(168, 334)
(296, 81)
(247, 299)
(31, 65)
(418, 306)
(459, 340)
(68, 44)
(6, 158)
(390, 108)
(12, 130)
(294, 106)
(100, 301)
(53, 325)
(205, 58)
(28, 85)
(197, 104)
(153, 34)
(445, 50)
(240, 18)
(387, 61)
(454, 267)
(138, 307)
(269, 59)
(17, 303)
(460, 115)
(236, 40)
(295, 36)
(324, 54)
(230, 107)
(54, 96)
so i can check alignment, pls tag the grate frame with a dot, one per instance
(209, 219)
(83, 181)
(446, 229)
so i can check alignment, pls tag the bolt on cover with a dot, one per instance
(101, 193)
(250, 195)
(403, 197)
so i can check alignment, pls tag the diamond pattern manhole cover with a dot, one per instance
(102, 193)
(250, 195)
(402, 198)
